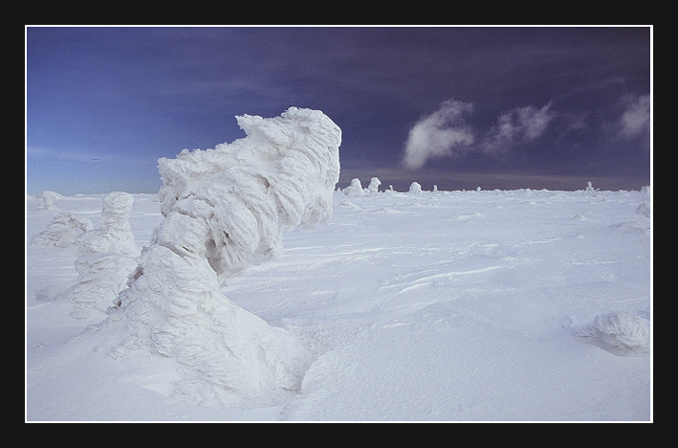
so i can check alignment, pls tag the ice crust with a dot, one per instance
(225, 209)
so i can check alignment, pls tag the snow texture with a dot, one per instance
(447, 306)
(225, 210)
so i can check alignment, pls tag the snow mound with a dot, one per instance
(622, 333)
(63, 230)
(106, 261)
(226, 209)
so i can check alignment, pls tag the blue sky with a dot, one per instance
(460, 107)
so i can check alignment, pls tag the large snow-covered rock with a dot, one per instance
(226, 209)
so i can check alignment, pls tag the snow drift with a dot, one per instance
(226, 209)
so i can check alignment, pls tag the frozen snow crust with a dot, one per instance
(226, 209)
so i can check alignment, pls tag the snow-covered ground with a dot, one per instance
(516, 305)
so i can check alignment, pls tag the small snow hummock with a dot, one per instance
(622, 333)
(107, 258)
(226, 209)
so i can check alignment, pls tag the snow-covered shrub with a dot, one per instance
(107, 257)
(226, 209)
(48, 198)
(620, 332)
(415, 188)
(373, 187)
(355, 189)
(63, 230)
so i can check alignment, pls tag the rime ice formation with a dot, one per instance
(226, 209)
(373, 187)
(355, 189)
(620, 332)
(114, 234)
(63, 230)
(415, 188)
(107, 257)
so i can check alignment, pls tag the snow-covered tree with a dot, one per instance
(373, 187)
(355, 189)
(107, 258)
(226, 209)
(415, 188)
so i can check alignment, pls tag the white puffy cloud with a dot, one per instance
(446, 132)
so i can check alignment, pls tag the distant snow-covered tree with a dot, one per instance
(415, 188)
(355, 189)
(373, 187)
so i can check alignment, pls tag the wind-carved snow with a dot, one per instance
(225, 209)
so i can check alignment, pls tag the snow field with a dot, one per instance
(477, 305)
